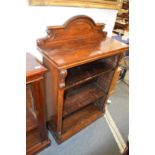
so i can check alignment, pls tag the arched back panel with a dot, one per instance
(79, 28)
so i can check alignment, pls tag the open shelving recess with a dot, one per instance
(82, 96)
(83, 73)
(80, 119)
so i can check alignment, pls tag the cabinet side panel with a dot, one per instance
(114, 81)
(105, 81)
(51, 85)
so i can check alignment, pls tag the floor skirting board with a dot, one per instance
(117, 135)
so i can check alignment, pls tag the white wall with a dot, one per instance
(38, 18)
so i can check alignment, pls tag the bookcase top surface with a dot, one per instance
(67, 57)
(78, 41)
(33, 66)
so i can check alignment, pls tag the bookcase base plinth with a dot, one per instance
(39, 146)
(75, 122)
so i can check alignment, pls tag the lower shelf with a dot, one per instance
(80, 97)
(77, 121)
(86, 72)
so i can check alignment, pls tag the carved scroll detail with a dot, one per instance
(63, 74)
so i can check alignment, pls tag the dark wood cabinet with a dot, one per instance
(81, 62)
(36, 132)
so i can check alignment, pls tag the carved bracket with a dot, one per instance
(63, 74)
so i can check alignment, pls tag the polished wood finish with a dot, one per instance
(36, 132)
(108, 4)
(34, 69)
(81, 60)
(80, 38)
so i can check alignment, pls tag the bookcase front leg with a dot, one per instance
(62, 77)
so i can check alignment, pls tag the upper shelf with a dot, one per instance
(83, 73)
(78, 41)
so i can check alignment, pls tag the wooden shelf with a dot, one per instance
(80, 97)
(83, 73)
(31, 121)
(78, 120)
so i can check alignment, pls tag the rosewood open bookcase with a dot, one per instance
(81, 62)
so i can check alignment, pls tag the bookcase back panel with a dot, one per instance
(77, 28)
